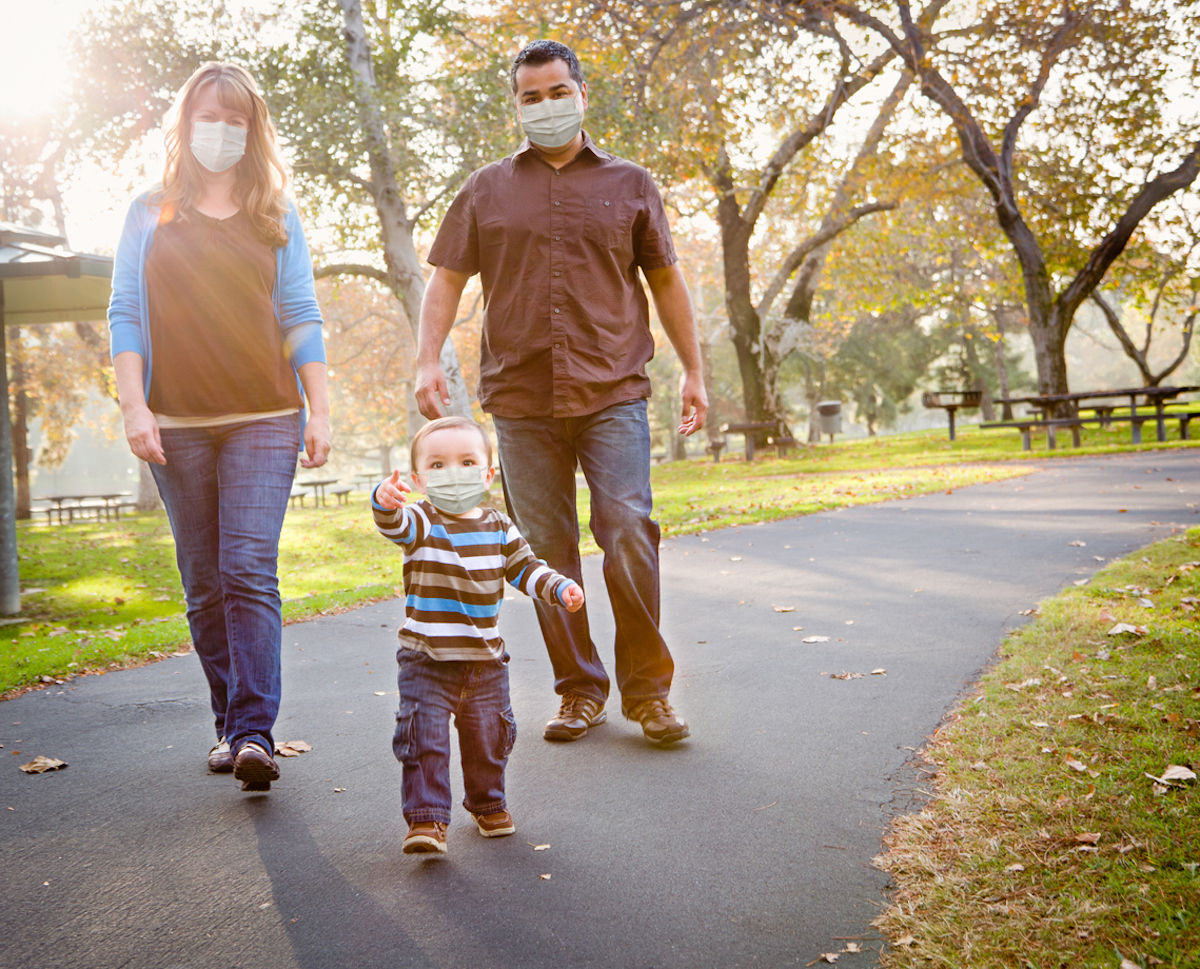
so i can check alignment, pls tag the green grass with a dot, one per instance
(111, 596)
(1046, 844)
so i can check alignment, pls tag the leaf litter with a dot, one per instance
(41, 764)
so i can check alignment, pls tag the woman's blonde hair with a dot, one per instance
(261, 174)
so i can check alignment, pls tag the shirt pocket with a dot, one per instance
(607, 222)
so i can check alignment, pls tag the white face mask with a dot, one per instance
(552, 123)
(217, 145)
(455, 489)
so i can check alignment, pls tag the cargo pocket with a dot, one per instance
(402, 739)
(508, 732)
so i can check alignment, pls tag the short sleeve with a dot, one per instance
(652, 245)
(456, 246)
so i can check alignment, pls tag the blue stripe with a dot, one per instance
(516, 583)
(458, 539)
(453, 605)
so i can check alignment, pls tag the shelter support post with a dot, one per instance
(10, 579)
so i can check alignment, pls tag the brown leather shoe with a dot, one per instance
(255, 768)
(424, 837)
(658, 720)
(220, 760)
(496, 825)
(575, 715)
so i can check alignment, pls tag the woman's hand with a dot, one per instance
(141, 431)
(316, 441)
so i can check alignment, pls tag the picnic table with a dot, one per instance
(1104, 414)
(318, 486)
(107, 505)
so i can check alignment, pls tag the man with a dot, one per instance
(558, 232)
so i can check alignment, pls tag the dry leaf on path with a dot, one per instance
(784, 608)
(845, 676)
(292, 748)
(40, 764)
(545, 877)
(540, 847)
(879, 672)
(735, 558)
(1077, 543)
(1028, 612)
(853, 947)
(797, 629)
(815, 639)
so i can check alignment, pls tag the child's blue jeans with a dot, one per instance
(476, 694)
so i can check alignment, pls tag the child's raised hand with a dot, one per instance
(572, 597)
(390, 493)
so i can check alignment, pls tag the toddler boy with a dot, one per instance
(457, 557)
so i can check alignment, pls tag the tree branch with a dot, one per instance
(350, 269)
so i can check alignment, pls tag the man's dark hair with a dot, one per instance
(542, 52)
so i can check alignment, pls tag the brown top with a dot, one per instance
(216, 344)
(566, 325)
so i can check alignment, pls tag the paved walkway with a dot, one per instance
(748, 845)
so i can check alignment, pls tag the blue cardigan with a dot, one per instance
(296, 306)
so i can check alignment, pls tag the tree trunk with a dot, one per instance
(148, 498)
(404, 274)
(969, 335)
(998, 349)
(20, 421)
(1049, 350)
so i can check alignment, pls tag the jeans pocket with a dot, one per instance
(402, 740)
(508, 732)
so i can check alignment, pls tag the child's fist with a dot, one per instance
(390, 492)
(572, 597)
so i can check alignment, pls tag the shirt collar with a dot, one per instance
(589, 146)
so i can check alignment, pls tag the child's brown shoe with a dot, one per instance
(424, 837)
(495, 825)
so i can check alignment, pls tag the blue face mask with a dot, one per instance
(455, 490)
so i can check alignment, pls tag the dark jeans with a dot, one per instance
(226, 491)
(477, 696)
(538, 456)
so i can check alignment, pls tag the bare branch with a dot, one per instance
(350, 269)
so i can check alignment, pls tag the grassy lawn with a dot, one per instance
(1046, 843)
(98, 596)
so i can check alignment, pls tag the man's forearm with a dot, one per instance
(674, 306)
(438, 308)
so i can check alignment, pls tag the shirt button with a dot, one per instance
(604, 203)
(557, 346)
(557, 310)
(556, 238)
(558, 274)
(560, 203)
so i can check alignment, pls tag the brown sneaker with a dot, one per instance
(220, 760)
(658, 720)
(575, 715)
(424, 837)
(495, 825)
(255, 768)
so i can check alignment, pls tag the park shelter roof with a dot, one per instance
(44, 282)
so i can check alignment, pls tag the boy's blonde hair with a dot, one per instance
(441, 424)
(262, 174)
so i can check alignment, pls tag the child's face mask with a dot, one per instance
(456, 489)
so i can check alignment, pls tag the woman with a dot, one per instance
(215, 331)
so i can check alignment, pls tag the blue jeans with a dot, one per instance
(226, 491)
(538, 456)
(477, 695)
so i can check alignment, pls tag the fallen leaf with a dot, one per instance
(979, 765)
(830, 957)
(1038, 723)
(853, 947)
(1106, 616)
(1088, 837)
(1145, 603)
(1016, 867)
(1122, 627)
(1078, 544)
(1076, 765)
(732, 558)
(1151, 682)
(845, 676)
(1028, 612)
(292, 748)
(1176, 772)
(1081, 581)
(784, 608)
(339, 790)
(815, 639)
(545, 877)
(879, 672)
(906, 940)
(540, 847)
(40, 764)
(1128, 964)
(380, 693)
(797, 629)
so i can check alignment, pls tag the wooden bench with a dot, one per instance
(297, 492)
(342, 493)
(748, 432)
(715, 447)
(782, 443)
(1050, 427)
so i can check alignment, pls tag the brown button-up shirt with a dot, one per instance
(566, 326)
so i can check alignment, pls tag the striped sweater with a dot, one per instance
(454, 574)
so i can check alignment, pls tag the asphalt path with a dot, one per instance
(748, 845)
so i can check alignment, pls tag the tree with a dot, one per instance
(1070, 194)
